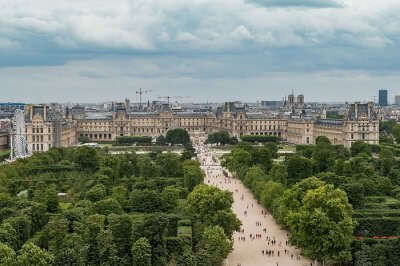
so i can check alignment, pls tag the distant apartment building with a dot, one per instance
(397, 100)
(11, 107)
(383, 98)
(271, 104)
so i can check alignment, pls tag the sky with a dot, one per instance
(203, 50)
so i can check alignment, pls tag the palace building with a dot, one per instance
(46, 128)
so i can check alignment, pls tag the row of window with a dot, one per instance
(97, 136)
(266, 133)
(39, 147)
(36, 138)
(363, 136)
(39, 130)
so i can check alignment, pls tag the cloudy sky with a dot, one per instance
(209, 50)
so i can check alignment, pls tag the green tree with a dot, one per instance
(55, 232)
(254, 174)
(262, 156)
(386, 161)
(324, 156)
(215, 245)
(87, 158)
(220, 137)
(147, 167)
(30, 254)
(7, 255)
(396, 132)
(108, 206)
(84, 139)
(145, 200)
(120, 193)
(73, 251)
(238, 161)
(96, 193)
(279, 173)
(177, 136)
(323, 225)
(108, 254)
(121, 228)
(271, 192)
(362, 257)
(154, 228)
(355, 192)
(186, 258)
(51, 198)
(322, 140)
(160, 140)
(212, 206)
(94, 224)
(170, 164)
(291, 199)
(298, 168)
(8, 235)
(22, 225)
(192, 173)
(170, 196)
(141, 252)
(359, 147)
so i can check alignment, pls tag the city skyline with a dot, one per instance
(215, 51)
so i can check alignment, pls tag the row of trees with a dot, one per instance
(221, 138)
(113, 210)
(317, 213)
(325, 177)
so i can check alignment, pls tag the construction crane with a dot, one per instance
(141, 92)
(172, 97)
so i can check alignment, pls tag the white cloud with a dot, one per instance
(241, 33)
(186, 36)
(236, 38)
(149, 25)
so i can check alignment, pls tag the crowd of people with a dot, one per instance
(260, 241)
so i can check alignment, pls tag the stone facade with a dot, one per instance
(4, 139)
(45, 129)
(361, 122)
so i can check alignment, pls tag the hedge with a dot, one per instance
(174, 245)
(185, 222)
(185, 233)
(366, 213)
(133, 139)
(260, 138)
(378, 226)
(4, 156)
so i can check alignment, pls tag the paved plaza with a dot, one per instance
(261, 242)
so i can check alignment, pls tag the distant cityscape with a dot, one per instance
(291, 119)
